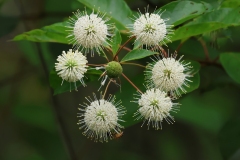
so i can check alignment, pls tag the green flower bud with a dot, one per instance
(114, 69)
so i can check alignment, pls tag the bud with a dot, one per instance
(114, 69)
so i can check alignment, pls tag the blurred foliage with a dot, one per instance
(206, 127)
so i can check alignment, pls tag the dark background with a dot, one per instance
(29, 127)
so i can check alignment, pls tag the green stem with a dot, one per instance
(106, 89)
(135, 64)
(132, 83)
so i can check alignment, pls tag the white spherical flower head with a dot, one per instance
(89, 32)
(100, 120)
(169, 75)
(155, 106)
(151, 29)
(71, 66)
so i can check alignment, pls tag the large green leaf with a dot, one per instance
(118, 10)
(231, 62)
(214, 20)
(116, 41)
(52, 33)
(56, 81)
(180, 11)
(230, 4)
(137, 54)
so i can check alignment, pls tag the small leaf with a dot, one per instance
(116, 41)
(137, 54)
(52, 33)
(118, 10)
(231, 62)
(137, 44)
(55, 81)
(180, 11)
(230, 4)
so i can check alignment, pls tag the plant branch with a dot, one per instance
(95, 65)
(132, 83)
(106, 89)
(202, 42)
(127, 49)
(114, 58)
(135, 64)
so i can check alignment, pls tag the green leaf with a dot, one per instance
(214, 20)
(52, 33)
(137, 54)
(230, 4)
(55, 81)
(229, 138)
(137, 44)
(180, 11)
(116, 41)
(231, 62)
(118, 10)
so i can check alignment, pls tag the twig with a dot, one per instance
(114, 58)
(132, 83)
(202, 42)
(135, 64)
(95, 65)
(127, 49)
(106, 89)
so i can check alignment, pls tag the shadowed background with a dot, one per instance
(206, 127)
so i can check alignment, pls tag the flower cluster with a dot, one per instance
(166, 77)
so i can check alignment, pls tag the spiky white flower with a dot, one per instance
(100, 118)
(89, 32)
(71, 66)
(155, 106)
(169, 74)
(151, 30)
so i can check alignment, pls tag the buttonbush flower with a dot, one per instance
(71, 66)
(169, 74)
(151, 30)
(155, 106)
(89, 32)
(100, 118)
